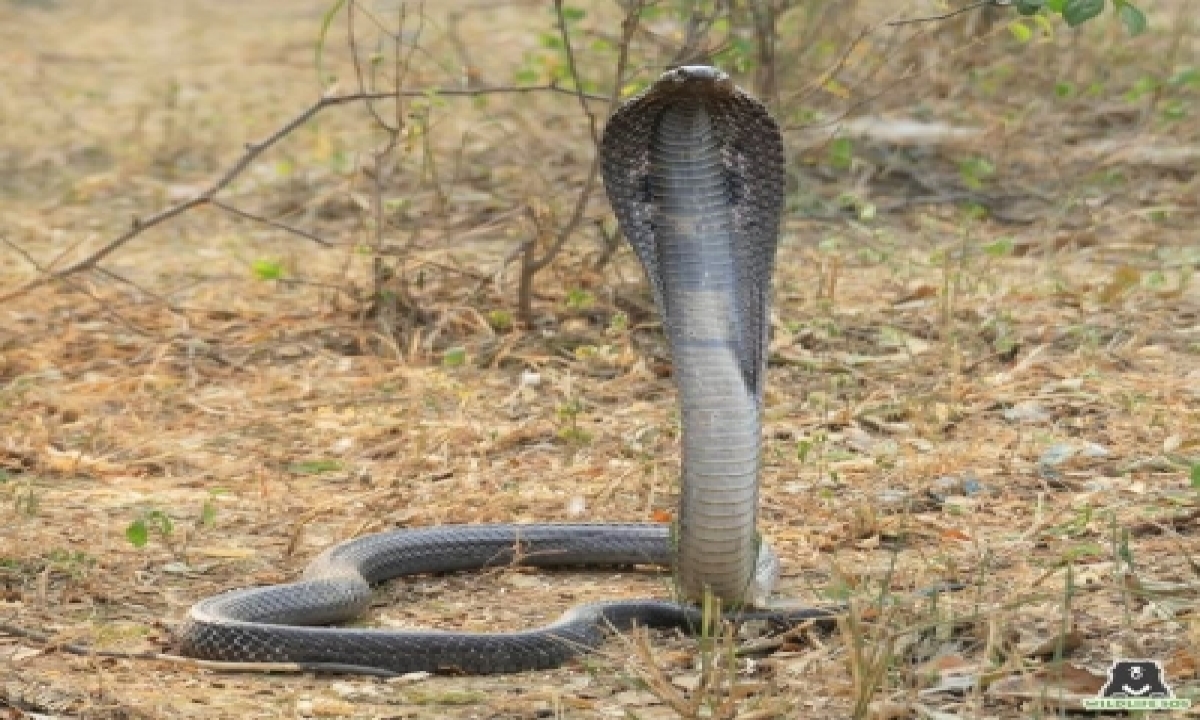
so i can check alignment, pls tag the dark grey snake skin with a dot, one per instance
(261, 624)
(694, 169)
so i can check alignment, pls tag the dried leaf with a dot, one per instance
(1063, 644)
(1064, 686)
(77, 463)
(1183, 664)
(1123, 279)
(889, 711)
(954, 534)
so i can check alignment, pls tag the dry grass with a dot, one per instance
(1012, 403)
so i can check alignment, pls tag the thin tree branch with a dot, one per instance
(22, 252)
(78, 286)
(531, 265)
(952, 13)
(629, 26)
(834, 69)
(268, 221)
(594, 171)
(351, 7)
(574, 70)
(252, 152)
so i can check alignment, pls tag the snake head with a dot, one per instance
(695, 78)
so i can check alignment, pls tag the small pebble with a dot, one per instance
(1057, 454)
(1026, 412)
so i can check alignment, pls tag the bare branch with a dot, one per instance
(834, 69)
(22, 252)
(80, 287)
(253, 151)
(530, 265)
(952, 13)
(268, 221)
(363, 87)
(574, 70)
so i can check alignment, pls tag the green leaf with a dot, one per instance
(208, 513)
(136, 533)
(1174, 110)
(974, 211)
(454, 357)
(1020, 31)
(999, 248)
(1044, 23)
(1133, 18)
(1194, 476)
(527, 76)
(1030, 7)
(267, 269)
(500, 319)
(974, 170)
(633, 87)
(314, 467)
(580, 299)
(573, 14)
(1077, 12)
(841, 153)
(1142, 87)
(1188, 77)
(326, 21)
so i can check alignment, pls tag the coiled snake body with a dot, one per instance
(693, 167)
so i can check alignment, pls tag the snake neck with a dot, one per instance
(720, 413)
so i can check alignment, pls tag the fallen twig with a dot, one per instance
(268, 221)
(952, 13)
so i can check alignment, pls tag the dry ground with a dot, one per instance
(1011, 403)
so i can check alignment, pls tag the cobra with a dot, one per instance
(694, 168)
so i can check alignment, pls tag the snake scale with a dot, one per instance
(694, 168)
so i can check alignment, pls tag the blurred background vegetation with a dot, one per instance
(414, 308)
